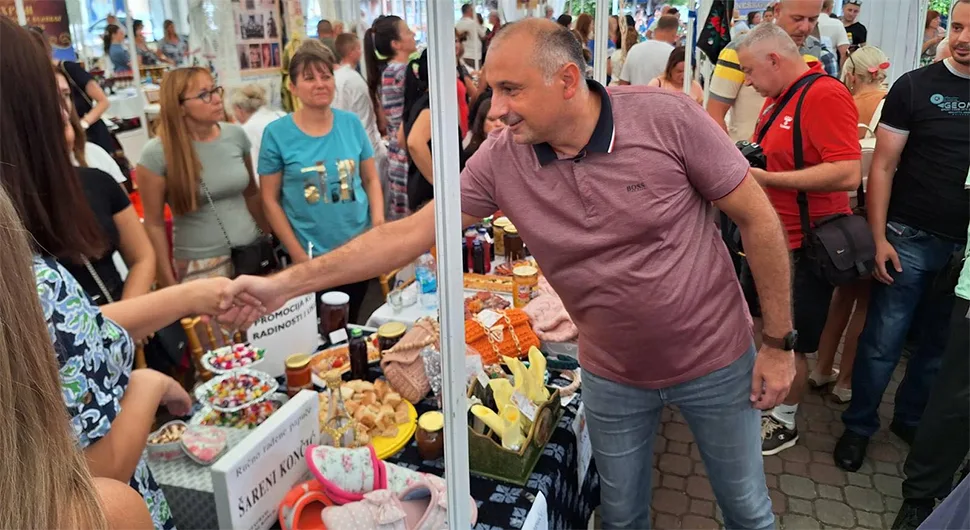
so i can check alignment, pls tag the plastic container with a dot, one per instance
(167, 451)
(426, 274)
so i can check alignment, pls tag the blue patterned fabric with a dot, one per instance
(95, 356)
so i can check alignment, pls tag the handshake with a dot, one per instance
(237, 303)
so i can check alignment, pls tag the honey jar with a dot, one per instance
(431, 441)
(389, 334)
(514, 247)
(297, 373)
(498, 234)
(525, 279)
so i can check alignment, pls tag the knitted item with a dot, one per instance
(548, 315)
(402, 364)
(510, 336)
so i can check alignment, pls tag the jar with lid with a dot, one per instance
(514, 247)
(429, 436)
(526, 279)
(334, 310)
(498, 231)
(390, 334)
(297, 373)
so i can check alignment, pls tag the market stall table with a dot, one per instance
(501, 505)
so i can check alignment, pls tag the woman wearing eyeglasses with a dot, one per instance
(200, 166)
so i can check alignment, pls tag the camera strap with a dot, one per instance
(782, 102)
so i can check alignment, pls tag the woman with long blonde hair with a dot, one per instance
(47, 484)
(202, 168)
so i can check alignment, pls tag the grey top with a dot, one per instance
(197, 234)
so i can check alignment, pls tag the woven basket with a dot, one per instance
(511, 336)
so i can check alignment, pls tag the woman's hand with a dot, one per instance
(205, 296)
(175, 398)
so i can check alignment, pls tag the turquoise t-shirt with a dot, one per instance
(321, 193)
(963, 286)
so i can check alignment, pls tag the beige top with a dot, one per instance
(696, 91)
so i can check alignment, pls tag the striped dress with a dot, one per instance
(392, 99)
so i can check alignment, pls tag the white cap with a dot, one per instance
(335, 298)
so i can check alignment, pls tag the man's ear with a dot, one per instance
(570, 76)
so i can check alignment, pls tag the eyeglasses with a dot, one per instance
(205, 96)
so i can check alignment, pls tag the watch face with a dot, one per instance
(791, 339)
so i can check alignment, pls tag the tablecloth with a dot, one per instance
(502, 505)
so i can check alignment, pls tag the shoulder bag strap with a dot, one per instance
(97, 280)
(212, 204)
(74, 84)
(873, 124)
(783, 101)
(800, 157)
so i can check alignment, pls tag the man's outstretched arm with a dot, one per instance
(374, 252)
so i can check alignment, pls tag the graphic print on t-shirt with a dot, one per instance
(952, 105)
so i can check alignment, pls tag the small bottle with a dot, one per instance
(487, 246)
(426, 274)
(358, 355)
(470, 236)
(478, 258)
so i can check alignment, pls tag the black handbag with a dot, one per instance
(840, 247)
(166, 348)
(257, 258)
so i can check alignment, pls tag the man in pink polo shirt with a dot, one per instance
(612, 193)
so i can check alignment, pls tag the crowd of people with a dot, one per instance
(615, 191)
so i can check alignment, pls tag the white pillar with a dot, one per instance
(690, 48)
(602, 36)
(21, 13)
(447, 191)
(135, 64)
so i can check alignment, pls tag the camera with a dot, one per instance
(753, 153)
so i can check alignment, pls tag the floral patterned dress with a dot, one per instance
(392, 99)
(95, 356)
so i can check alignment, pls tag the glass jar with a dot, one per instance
(334, 316)
(390, 334)
(498, 229)
(526, 279)
(297, 373)
(514, 247)
(430, 439)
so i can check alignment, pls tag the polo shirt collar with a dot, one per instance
(603, 134)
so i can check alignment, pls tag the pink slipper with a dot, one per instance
(422, 506)
(347, 474)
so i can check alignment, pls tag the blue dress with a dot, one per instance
(95, 356)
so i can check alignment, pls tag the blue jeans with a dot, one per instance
(891, 311)
(623, 423)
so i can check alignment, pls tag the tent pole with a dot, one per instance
(690, 48)
(21, 13)
(602, 36)
(135, 67)
(444, 141)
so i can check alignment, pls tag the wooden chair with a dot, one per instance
(213, 340)
(386, 280)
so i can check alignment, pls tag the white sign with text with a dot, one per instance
(250, 481)
(288, 330)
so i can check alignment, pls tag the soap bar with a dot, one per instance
(204, 444)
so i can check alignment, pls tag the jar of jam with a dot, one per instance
(390, 334)
(431, 441)
(498, 229)
(334, 312)
(514, 247)
(297, 373)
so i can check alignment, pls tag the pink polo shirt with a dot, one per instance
(625, 233)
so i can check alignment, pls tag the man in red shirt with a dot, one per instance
(772, 64)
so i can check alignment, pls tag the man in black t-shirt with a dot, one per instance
(918, 211)
(855, 30)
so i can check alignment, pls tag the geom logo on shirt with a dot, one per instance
(951, 104)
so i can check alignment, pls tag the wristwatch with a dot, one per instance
(786, 343)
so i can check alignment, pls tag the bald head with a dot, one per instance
(552, 46)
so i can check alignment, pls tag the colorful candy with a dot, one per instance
(247, 418)
(233, 357)
(238, 390)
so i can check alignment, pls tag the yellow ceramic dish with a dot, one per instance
(385, 447)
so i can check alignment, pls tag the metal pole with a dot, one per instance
(691, 49)
(602, 36)
(21, 13)
(135, 67)
(447, 191)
